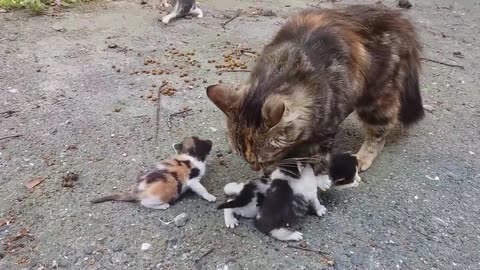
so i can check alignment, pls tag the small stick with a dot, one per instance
(11, 137)
(235, 70)
(204, 255)
(157, 122)
(442, 63)
(308, 249)
(186, 112)
(231, 19)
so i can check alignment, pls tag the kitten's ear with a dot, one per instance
(273, 110)
(224, 97)
(177, 147)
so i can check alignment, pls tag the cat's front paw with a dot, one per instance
(323, 182)
(231, 222)
(210, 198)
(322, 210)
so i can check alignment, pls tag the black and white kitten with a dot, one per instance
(344, 171)
(181, 9)
(247, 199)
(287, 202)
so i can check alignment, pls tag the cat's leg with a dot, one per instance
(323, 182)
(379, 116)
(230, 220)
(197, 12)
(320, 210)
(283, 234)
(321, 167)
(233, 189)
(166, 19)
(165, 3)
(373, 143)
(198, 188)
(154, 203)
(174, 14)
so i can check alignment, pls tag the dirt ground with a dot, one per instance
(79, 89)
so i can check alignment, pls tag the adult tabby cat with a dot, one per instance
(321, 66)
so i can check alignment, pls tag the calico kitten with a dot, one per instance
(246, 202)
(181, 9)
(286, 202)
(344, 171)
(162, 185)
(322, 65)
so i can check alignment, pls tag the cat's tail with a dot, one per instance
(237, 202)
(122, 196)
(411, 107)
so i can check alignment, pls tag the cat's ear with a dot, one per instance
(224, 97)
(177, 147)
(280, 114)
(273, 110)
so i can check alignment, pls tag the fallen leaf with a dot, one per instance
(23, 260)
(34, 182)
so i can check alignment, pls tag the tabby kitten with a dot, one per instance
(320, 67)
(162, 185)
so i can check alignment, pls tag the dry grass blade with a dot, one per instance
(157, 120)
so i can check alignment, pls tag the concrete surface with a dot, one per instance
(417, 209)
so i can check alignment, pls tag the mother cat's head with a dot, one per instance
(263, 127)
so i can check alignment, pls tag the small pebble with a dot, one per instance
(146, 246)
(429, 108)
(181, 219)
(88, 250)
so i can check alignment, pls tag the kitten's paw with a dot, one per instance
(231, 222)
(323, 182)
(322, 210)
(296, 236)
(210, 198)
(165, 20)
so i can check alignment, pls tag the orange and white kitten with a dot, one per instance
(161, 185)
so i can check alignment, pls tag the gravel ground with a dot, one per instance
(72, 87)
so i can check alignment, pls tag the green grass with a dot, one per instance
(36, 6)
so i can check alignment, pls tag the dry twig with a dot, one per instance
(308, 249)
(442, 63)
(204, 255)
(11, 137)
(231, 19)
(157, 121)
(235, 70)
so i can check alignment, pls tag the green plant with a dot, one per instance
(36, 6)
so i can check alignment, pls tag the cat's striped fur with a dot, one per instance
(321, 66)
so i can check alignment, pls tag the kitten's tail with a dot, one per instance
(123, 196)
(233, 204)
